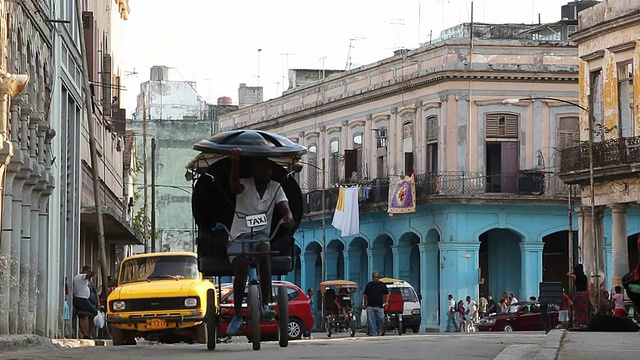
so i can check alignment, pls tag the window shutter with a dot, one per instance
(432, 128)
(501, 126)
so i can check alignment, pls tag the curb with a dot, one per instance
(551, 345)
(34, 342)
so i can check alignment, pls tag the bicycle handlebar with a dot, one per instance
(221, 226)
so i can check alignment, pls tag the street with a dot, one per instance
(424, 346)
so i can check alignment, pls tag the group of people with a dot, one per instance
(463, 313)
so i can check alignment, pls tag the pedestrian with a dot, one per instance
(375, 298)
(483, 306)
(81, 303)
(310, 292)
(451, 316)
(471, 311)
(461, 315)
(582, 302)
(618, 302)
(563, 315)
(493, 306)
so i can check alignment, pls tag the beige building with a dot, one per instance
(609, 49)
(487, 191)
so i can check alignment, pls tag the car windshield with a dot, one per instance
(159, 268)
(408, 294)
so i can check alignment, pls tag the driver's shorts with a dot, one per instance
(237, 246)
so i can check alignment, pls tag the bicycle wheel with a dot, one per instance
(255, 314)
(211, 319)
(283, 317)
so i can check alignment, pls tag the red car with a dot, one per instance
(300, 316)
(527, 318)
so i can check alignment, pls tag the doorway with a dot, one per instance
(503, 162)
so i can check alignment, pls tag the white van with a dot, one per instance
(411, 317)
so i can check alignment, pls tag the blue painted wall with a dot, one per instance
(447, 238)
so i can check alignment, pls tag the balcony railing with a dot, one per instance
(453, 184)
(614, 152)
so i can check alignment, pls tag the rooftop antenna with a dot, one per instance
(351, 40)
(397, 23)
(286, 69)
(321, 74)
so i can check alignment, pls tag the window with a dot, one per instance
(357, 141)
(568, 132)
(292, 293)
(407, 131)
(501, 126)
(381, 137)
(357, 162)
(596, 96)
(334, 148)
(312, 171)
(626, 118)
(432, 128)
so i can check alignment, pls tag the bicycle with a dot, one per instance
(254, 297)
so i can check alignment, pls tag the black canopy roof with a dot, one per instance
(255, 143)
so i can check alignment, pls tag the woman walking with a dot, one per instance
(582, 302)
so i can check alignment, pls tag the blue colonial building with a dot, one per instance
(491, 215)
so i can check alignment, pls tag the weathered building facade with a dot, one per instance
(491, 211)
(609, 52)
(177, 117)
(28, 180)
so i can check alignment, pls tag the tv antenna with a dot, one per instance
(351, 40)
(397, 23)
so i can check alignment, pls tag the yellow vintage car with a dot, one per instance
(162, 296)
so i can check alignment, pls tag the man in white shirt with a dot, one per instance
(472, 310)
(513, 304)
(451, 315)
(254, 196)
(83, 307)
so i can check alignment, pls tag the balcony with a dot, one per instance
(612, 159)
(454, 186)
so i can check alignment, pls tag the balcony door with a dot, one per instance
(503, 161)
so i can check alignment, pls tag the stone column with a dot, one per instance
(36, 139)
(345, 265)
(20, 167)
(531, 268)
(303, 271)
(370, 263)
(586, 241)
(392, 142)
(458, 273)
(308, 262)
(25, 239)
(620, 252)
(579, 256)
(40, 268)
(368, 149)
(401, 261)
(429, 285)
(419, 140)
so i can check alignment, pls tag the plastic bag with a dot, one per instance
(67, 311)
(99, 320)
(363, 317)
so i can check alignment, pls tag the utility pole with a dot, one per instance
(153, 194)
(145, 208)
(92, 149)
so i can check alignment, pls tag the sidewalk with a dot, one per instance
(28, 342)
(568, 345)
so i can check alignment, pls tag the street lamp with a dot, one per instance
(591, 181)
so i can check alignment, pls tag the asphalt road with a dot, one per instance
(423, 346)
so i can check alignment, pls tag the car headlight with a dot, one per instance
(415, 312)
(118, 305)
(190, 302)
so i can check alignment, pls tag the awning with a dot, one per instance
(116, 230)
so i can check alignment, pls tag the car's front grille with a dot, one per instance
(156, 304)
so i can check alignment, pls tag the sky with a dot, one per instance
(220, 44)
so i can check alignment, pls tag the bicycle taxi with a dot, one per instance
(393, 312)
(213, 207)
(337, 306)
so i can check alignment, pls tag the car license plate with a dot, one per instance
(256, 220)
(156, 323)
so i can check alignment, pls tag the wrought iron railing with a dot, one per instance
(453, 183)
(613, 152)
